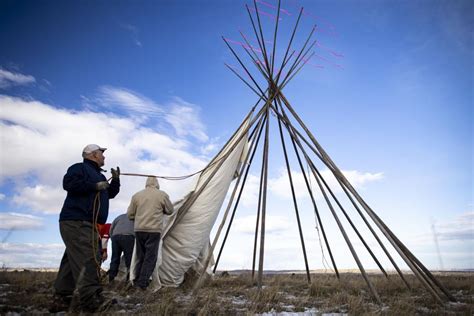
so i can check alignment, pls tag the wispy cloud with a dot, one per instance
(128, 100)
(184, 117)
(211, 146)
(8, 79)
(17, 221)
(134, 31)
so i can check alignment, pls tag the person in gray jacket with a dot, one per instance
(146, 210)
(123, 239)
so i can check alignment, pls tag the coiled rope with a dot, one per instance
(95, 229)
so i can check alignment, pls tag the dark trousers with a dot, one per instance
(121, 243)
(147, 252)
(78, 267)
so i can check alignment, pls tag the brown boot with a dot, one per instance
(60, 303)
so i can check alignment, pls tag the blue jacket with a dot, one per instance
(79, 182)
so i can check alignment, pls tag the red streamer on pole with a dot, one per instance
(243, 45)
(272, 6)
(317, 18)
(337, 54)
(329, 61)
(266, 14)
(306, 61)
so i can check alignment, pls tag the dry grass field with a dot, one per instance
(30, 292)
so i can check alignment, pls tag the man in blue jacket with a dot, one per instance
(86, 204)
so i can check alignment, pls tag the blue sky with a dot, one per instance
(147, 80)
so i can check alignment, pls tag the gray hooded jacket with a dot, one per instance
(148, 206)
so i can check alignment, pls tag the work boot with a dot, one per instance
(98, 303)
(93, 304)
(60, 303)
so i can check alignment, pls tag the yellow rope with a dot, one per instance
(95, 215)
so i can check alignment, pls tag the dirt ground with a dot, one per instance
(30, 292)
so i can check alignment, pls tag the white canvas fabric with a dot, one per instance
(185, 242)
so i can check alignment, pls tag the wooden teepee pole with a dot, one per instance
(262, 38)
(316, 211)
(310, 192)
(310, 146)
(275, 36)
(415, 260)
(264, 199)
(224, 218)
(285, 60)
(295, 204)
(259, 207)
(319, 179)
(253, 151)
(298, 57)
(339, 175)
(349, 220)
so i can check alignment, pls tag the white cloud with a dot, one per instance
(212, 146)
(280, 185)
(39, 142)
(8, 79)
(31, 255)
(17, 221)
(184, 117)
(251, 189)
(40, 198)
(129, 100)
(2, 196)
(357, 178)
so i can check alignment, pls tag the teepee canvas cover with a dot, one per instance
(185, 238)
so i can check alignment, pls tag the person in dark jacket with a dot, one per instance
(123, 240)
(86, 204)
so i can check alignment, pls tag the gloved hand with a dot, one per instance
(115, 173)
(102, 185)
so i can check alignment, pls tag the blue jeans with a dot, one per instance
(121, 244)
(147, 253)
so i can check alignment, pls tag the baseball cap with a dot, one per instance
(91, 148)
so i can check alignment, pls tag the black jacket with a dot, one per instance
(79, 182)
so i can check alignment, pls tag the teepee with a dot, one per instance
(307, 150)
(186, 239)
